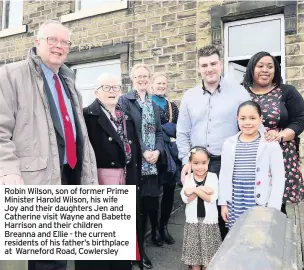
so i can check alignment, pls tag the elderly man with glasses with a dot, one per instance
(43, 136)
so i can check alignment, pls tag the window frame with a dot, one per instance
(80, 14)
(90, 89)
(96, 64)
(5, 18)
(118, 51)
(228, 59)
(6, 30)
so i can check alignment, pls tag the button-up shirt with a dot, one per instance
(208, 119)
(49, 75)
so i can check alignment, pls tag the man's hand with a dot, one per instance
(11, 179)
(186, 169)
(224, 213)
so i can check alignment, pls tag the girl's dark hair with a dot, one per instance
(248, 78)
(250, 103)
(199, 149)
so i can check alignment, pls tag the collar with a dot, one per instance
(35, 63)
(47, 71)
(94, 108)
(235, 137)
(131, 95)
(217, 89)
(160, 101)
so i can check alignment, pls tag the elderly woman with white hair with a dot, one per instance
(117, 149)
(138, 103)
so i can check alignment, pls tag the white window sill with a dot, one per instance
(95, 11)
(13, 31)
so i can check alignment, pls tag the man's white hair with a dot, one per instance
(105, 76)
(41, 31)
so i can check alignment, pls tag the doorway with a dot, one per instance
(245, 38)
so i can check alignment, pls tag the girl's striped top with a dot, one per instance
(243, 183)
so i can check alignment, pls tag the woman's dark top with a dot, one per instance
(107, 145)
(128, 102)
(110, 153)
(164, 113)
(166, 175)
(283, 107)
(130, 105)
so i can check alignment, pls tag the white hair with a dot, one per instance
(41, 30)
(105, 76)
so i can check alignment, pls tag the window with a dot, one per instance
(85, 4)
(12, 14)
(88, 8)
(244, 38)
(87, 74)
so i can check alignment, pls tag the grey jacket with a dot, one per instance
(270, 173)
(28, 145)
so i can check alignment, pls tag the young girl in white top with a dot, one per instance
(202, 236)
(252, 169)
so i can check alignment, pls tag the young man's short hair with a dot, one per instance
(208, 51)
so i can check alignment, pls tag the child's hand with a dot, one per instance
(188, 191)
(224, 213)
(207, 190)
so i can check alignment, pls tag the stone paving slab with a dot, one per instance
(168, 257)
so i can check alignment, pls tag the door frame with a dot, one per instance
(228, 59)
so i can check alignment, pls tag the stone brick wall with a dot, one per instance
(167, 41)
(295, 61)
(163, 34)
(295, 53)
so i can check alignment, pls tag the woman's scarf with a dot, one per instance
(119, 122)
(148, 131)
(160, 101)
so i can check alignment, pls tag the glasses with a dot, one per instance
(107, 88)
(54, 41)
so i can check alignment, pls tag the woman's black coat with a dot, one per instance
(107, 145)
(130, 105)
(109, 150)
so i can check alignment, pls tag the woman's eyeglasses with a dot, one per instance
(107, 88)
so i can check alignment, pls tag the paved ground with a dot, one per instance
(168, 257)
